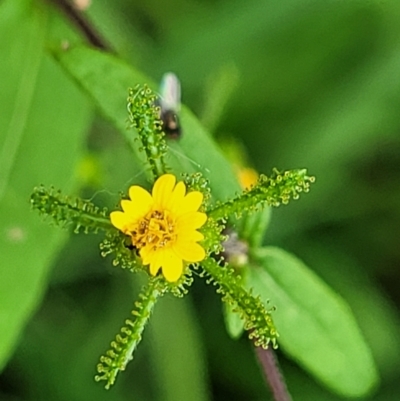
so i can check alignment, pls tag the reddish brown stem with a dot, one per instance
(78, 19)
(273, 376)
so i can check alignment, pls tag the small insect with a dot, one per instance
(170, 104)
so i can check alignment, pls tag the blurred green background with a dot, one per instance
(301, 83)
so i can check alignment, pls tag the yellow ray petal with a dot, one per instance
(156, 262)
(191, 202)
(133, 212)
(154, 268)
(162, 190)
(177, 196)
(140, 204)
(189, 251)
(147, 254)
(190, 221)
(172, 266)
(191, 235)
(119, 220)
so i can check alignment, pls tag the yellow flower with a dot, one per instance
(247, 177)
(162, 225)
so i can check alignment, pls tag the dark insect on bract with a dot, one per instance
(170, 104)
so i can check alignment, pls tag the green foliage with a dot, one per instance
(233, 321)
(275, 190)
(213, 237)
(106, 78)
(118, 244)
(253, 226)
(174, 330)
(302, 83)
(38, 143)
(70, 212)
(257, 319)
(84, 215)
(126, 341)
(145, 117)
(312, 321)
(197, 182)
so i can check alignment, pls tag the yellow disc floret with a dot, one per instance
(163, 225)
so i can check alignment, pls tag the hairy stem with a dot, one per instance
(273, 376)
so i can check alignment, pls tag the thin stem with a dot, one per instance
(273, 376)
(87, 29)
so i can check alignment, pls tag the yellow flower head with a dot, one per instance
(162, 225)
(247, 177)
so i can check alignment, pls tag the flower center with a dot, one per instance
(155, 229)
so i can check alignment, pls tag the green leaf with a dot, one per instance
(219, 88)
(253, 226)
(375, 313)
(233, 323)
(40, 141)
(106, 79)
(176, 352)
(316, 326)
